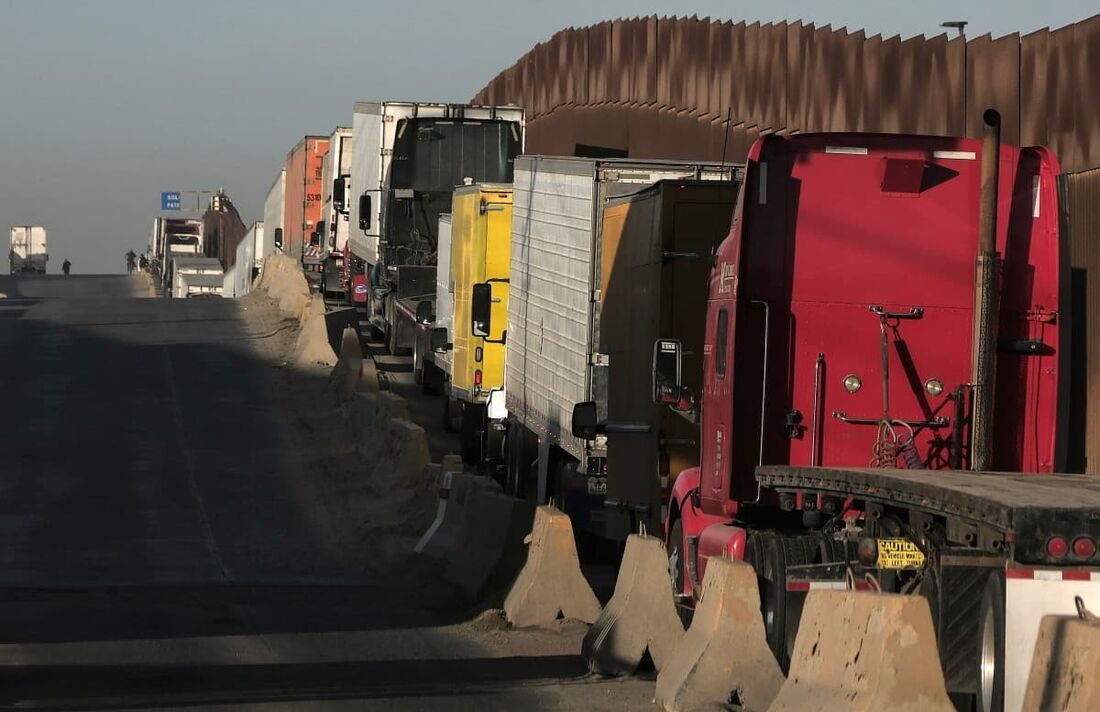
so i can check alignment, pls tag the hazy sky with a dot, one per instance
(106, 103)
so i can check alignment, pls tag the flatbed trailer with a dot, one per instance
(1007, 512)
(993, 552)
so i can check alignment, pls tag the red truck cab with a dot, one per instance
(840, 327)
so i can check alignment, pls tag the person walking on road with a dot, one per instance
(66, 266)
(130, 257)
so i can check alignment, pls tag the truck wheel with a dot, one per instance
(452, 415)
(991, 646)
(418, 366)
(518, 447)
(676, 563)
(770, 555)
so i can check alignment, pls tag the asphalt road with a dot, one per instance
(161, 545)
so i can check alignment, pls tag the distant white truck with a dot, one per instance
(28, 251)
(192, 275)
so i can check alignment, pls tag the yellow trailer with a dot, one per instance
(480, 253)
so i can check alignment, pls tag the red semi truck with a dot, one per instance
(885, 345)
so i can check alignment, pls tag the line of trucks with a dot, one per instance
(846, 357)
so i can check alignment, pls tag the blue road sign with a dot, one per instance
(170, 201)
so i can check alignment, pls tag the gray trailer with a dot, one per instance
(557, 291)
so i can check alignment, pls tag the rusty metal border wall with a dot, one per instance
(664, 88)
(1080, 198)
(648, 75)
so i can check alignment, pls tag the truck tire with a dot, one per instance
(770, 554)
(991, 646)
(418, 365)
(518, 450)
(452, 414)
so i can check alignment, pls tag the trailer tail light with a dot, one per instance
(477, 377)
(1057, 548)
(1083, 547)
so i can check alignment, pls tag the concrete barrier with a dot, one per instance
(312, 347)
(551, 582)
(724, 655)
(451, 532)
(283, 280)
(400, 455)
(491, 550)
(1065, 667)
(368, 377)
(344, 379)
(859, 650)
(448, 469)
(640, 616)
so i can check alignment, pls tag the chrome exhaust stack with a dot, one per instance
(986, 300)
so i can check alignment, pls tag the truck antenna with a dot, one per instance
(726, 138)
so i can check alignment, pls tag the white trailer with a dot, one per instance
(27, 251)
(554, 304)
(332, 228)
(273, 216)
(180, 267)
(205, 284)
(238, 279)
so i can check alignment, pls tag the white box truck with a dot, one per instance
(553, 360)
(332, 229)
(27, 251)
(407, 159)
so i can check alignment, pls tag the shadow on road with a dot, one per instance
(169, 541)
(113, 687)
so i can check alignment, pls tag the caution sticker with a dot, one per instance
(899, 554)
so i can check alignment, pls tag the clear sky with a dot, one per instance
(107, 103)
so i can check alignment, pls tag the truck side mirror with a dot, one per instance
(481, 309)
(585, 421)
(424, 315)
(279, 237)
(338, 193)
(667, 372)
(364, 211)
(437, 340)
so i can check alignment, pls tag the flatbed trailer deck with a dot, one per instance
(1024, 508)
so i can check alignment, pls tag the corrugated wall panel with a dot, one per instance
(1085, 151)
(869, 77)
(644, 61)
(797, 77)
(993, 81)
(771, 86)
(1036, 93)
(599, 61)
(799, 48)
(721, 71)
(702, 62)
(889, 120)
(1083, 211)
(620, 81)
